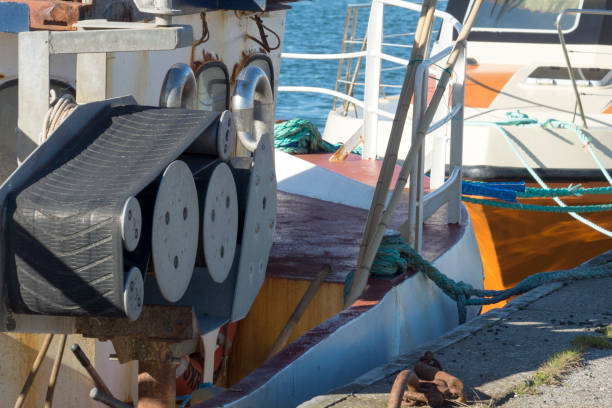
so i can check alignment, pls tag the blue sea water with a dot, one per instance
(317, 26)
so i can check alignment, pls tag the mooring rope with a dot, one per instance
(395, 255)
(300, 136)
(540, 208)
(517, 118)
(60, 109)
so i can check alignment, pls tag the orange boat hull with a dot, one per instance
(516, 243)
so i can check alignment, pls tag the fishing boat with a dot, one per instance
(537, 96)
(554, 68)
(147, 220)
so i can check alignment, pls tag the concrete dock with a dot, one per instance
(497, 351)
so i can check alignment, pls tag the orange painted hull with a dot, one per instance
(515, 243)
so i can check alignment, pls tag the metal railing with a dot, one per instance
(374, 55)
(566, 55)
(421, 206)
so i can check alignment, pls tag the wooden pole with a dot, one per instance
(299, 310)
(33, 371)
(55, 371)
(372, 248)
(419, 48)
(341, 63)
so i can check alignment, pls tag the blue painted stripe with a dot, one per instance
(14, 17)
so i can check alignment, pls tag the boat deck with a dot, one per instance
(353, 167)
(311, 232)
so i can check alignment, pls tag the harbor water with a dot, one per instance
(317, 27)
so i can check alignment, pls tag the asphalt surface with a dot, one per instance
(495, 352)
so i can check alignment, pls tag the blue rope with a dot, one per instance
(184, 399)
(488, 190)
(520, 119)
(462, 293)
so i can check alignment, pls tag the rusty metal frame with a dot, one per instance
(55, 14)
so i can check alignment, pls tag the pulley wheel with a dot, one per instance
(220, 222)
(133, 294)
(131, 223)
(175, 230)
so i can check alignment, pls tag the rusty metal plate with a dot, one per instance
(162, 322)
(55, 15)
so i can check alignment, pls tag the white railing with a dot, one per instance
(374, 55)
(422, 206)
(449, 119)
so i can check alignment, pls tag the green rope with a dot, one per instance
(530, 192)
(542, 208)
(462, 293)
(562, 192)
(300, 136)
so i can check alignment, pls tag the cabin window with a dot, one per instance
(213, 87)
(526, 15)
(265, 63)
(555, 75)
(8, 123)
(532, 21)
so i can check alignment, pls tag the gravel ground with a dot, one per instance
(497, 351)
(587, 387)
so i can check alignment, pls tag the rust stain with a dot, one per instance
(2, 76)
(206, 57)
(205, 36)
(246, 55)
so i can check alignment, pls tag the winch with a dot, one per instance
(123, 205)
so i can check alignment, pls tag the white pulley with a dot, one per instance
(175, 230)
(133, 293)
(131, 223)
(220, 222)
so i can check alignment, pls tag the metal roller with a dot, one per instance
(218, 140)
(175, 230)
(131, 223)
(220, 222)
(133, 294)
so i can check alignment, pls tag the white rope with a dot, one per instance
(541, 182)
(60, 109)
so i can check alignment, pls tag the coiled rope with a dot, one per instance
(395, 255)
(300, 136)
(60, 109)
